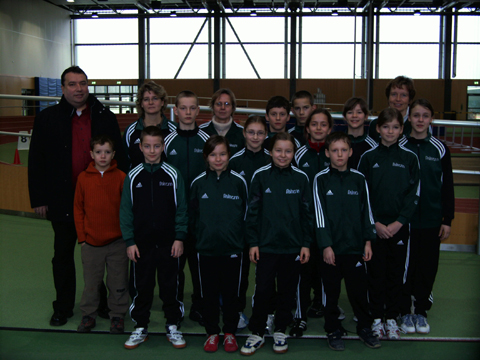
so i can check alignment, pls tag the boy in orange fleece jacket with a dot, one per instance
(96, 211)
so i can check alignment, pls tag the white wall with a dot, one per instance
(34, 38)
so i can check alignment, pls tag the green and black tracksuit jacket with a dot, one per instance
(184, 150)
(298, 133)
(234, 135)
(360, 144)
(246, 162)
(310, 161)
(437, 200)
(217, 212)
(280, 210)
(153, 211)
(131, 139)
(343, 218)
(393, 178)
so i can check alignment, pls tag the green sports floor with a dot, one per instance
(26, 293)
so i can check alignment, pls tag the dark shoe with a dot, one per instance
(316, 310)
(335, 341)
(368, 338)
(103, 312)
(197, 317)
(117, 326)
(87, 324)
(298, 328)
(60, 318)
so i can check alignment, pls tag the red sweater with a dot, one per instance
(97, 205)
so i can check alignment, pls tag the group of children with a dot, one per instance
(309, 210)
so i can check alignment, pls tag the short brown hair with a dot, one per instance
(352, 102)
(316, 112)
(151, 131)
(157, 89)
(185, 94)
(388, 115)
(302, 94)
(400, 81)
(283, 136)
(212, 143)
(337, 136)
(226, 91)
(101, 140)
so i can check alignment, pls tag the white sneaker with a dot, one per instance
(421, 324)
(342, 314)
(392, 330)
(139, 336)
(242, 321)
(378, 328)
(280, 345)
(270, 327)
(407, 324)
(175, 337)
(253, 343)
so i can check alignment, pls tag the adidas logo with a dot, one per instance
(205, 196)
(329, 192)
(173, 152)
(298, 258)
(400, 242)
(137, 141)
(242, 173)
(268, 191)
(376, 166)
(139, 185)
(306, 165)
(359, 264)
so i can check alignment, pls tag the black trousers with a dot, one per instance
(220, 276)
(156, 262)
(310, 278)
(424, 256)
(284, 269)
(387, 273)
(63, 263)
(352, 269)
(190, 255)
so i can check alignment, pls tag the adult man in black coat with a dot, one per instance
(59, 152)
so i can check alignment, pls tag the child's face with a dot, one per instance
(278, 118)
(102, 155)
(218, 159)
(339, 152)
(420, 118)
(151, 103)
(355, 117)
(152, 148)
(302, 110)
(282, 153)
(187, 111)
(399, 99)
(319, 128)
(390, 132)
(255, 135)
(223, 109)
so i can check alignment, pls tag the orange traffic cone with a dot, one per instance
(16, 159)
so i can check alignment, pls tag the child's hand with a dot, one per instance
(382, 231)
(254, 254)
(177, 248)
(367, 251)
(133, 253)
(394, 227)
(444, 232)
(329, 256)
(304, 255)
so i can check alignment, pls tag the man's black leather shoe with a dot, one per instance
(59, 318)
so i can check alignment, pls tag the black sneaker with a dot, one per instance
(335, 341)
(368, 338)
(316, 310)
(87, 324)
(298, 328)
(197, 317)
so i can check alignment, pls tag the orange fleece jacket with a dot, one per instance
(97, 205)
